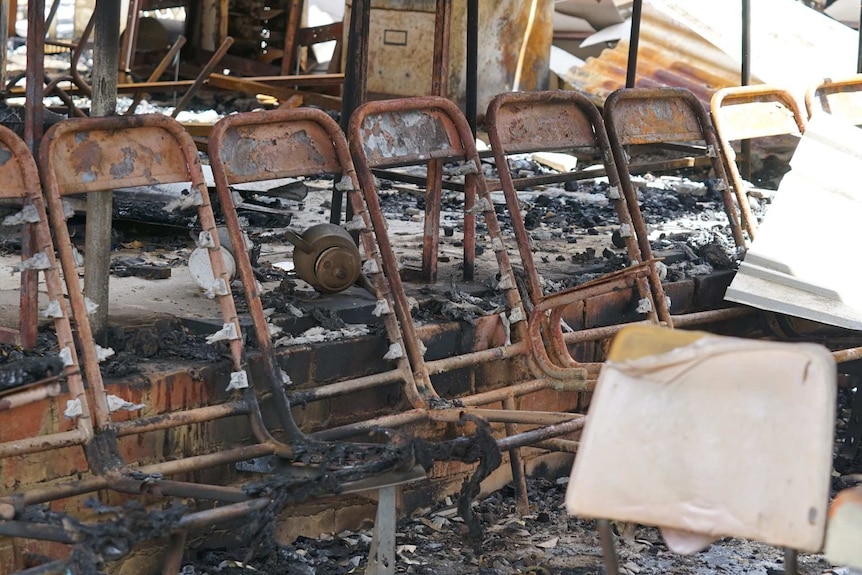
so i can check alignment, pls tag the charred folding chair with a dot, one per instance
(672, 119)
(840, 97)
(559, 121)
(92, 155)
(408, 132)
(746, 113)
(33, 390)
(676, 438)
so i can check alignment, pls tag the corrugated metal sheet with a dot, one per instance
(696, 45)
(670, 54)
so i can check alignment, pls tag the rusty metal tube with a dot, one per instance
(29, 530)
(476, 358)
(220, 514)
(176, 419)
(849, 354)
(345, 387)
(535, 435)
(29, 396)
(59, 567)
(178, 489)
(508, 415)
(558, 445)
(198, 462)
(42, 443)
(362, 427)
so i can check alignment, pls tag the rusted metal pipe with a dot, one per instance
(13, 400)
(221, 514)
(174, 553)
(535, 435)
(29, 530)
(344, 387)
(634, 41)
(516, 463)
(507, 415)
(202, 76)
(157, 72)
(186, 417)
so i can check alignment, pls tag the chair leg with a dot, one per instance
(609, 552)
(791, 563)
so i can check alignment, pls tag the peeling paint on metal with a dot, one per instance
(127, 166)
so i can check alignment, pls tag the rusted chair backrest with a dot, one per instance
(524, 122)
(414, 130)
(39, 428)
(841, 97)
(667, 116)
(98, 154)
(291, 143)
(748, 113)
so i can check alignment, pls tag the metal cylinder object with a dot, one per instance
(326, 257)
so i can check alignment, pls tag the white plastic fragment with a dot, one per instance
(720, 185)
(285, 379)
(395, 352)
(238, 380)
(218, 287)
(710, 151)
(625, 231)
(614, 193)
(66, 356)
(237, 198)
(370, 267)
(482, 205)
(506, 282)
(53, 310)
(73, 409)
(644, 306)
(516, 315)
(661, 268)
(357, 223)
(90, 306)
(507, 328)
(103, 353)
(422, 348)
(227, 332)
(274, 330)
(205, 240)
(116, 403)
(39, 261)
(382, 308)
(68, 210)
(667, 302)
(185, 201)
(497, 244)
(294, 311)
(78, 257)
(345, 184)
(412, 303)
(28, 215)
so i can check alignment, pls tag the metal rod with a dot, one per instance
(186, 417)
(745, 80)
(517, 464)
(859, 56)
(472, 105)
(542, 433)
(202, 76)
(634, 40)
(174, 553)
(791, 562)
(158, 71)
(609, 553)
(41, 531)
